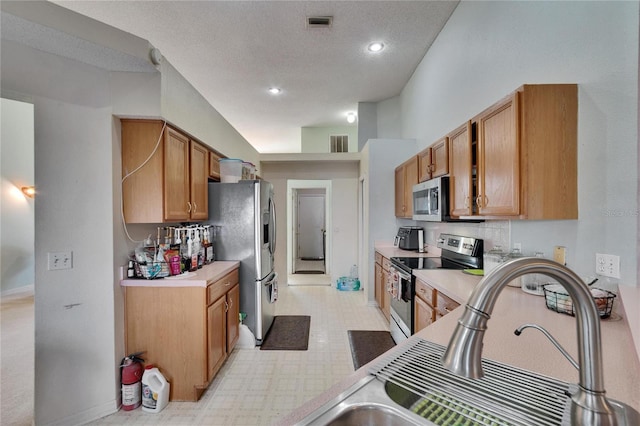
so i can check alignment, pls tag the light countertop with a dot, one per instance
(200, 278)
(388, 250)
(531, 351)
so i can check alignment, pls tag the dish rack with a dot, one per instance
(557, 299)
(152, 270)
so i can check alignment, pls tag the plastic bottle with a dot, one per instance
(155, 390)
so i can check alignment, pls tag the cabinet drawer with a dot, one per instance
(386, 264)
(425, 292)
(378, 258)
(445, 304)
(221, 287)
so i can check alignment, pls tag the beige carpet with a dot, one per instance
(16, 360)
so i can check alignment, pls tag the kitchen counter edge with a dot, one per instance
(201, 278)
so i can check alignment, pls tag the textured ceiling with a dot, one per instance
(233, 51)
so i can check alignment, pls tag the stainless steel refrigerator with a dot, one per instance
(245, 213)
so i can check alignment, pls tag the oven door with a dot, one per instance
(402, 292)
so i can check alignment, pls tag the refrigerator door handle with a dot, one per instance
(273, 227)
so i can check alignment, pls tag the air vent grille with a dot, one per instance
(339, 143)
(319, 21)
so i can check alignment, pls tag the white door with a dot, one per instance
(311, 226)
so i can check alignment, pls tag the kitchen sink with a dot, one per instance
(413, 388)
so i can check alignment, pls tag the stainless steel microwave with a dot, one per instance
(431, 201)
(428, 199)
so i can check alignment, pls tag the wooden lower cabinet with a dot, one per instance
(381, 279)
(424, 314)
(187, 332)
(430, 305)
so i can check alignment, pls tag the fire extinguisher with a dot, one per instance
(131, 370)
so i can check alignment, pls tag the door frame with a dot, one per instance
(292, 186)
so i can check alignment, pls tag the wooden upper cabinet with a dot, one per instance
(461, 171)
(434, 161)
(406, 175)
(440, 158)
(172, 185)
(199, 188)
(214, 166)
(525, 158)
(424, 165)
(176, 176)
(499, 159)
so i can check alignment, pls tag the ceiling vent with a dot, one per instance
(319, 21)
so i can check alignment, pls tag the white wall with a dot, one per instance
(487, 49)
(79, 313)
(344, 192)
(317, 139)
(17, 210)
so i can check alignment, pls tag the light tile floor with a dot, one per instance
(257, 387)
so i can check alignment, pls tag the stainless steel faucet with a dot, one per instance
(589, 406)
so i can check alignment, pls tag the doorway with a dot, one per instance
(308, 242)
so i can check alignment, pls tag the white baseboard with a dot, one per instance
(89, 415)
(25, 290)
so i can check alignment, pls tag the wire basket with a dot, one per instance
(558, 300)
(152, 270)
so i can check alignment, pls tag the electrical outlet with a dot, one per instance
(608, 265)
(60, 260)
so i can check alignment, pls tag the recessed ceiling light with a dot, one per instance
(375, 47)
(275, 90)
(351, 117)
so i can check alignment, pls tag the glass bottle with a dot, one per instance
(493, 258)
(532, 283)
(514, 254)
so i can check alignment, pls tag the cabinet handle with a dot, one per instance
(195, 207)
(479, 200)
(422, 290)
(227, 283)
(226, 307)
(188, 207)
(432, 168)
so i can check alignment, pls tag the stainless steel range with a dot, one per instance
(457, 253)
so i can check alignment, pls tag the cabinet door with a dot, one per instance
(423, 314)
(176, 176)
(499, 159)
(460, 182)
(386, 297)
(214, 166)
(424, 165)
(199, 189)
(378, 284)
(399, 191)
(216, 335)
(440, 158)
(233, 317)
(411, 178)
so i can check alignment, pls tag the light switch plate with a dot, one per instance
(560, 255)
